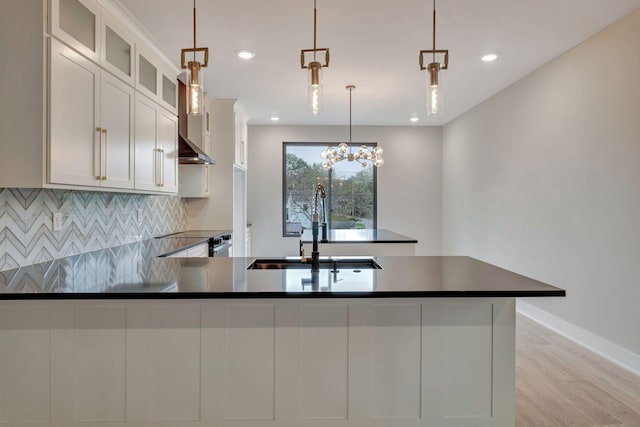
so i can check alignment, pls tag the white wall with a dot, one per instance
(544, 179)
(409, 183)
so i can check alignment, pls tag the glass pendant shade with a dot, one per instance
(434, 101)
(195, 96)
(315, 87)
(434, 94)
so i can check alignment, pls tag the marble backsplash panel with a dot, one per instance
(90, 221)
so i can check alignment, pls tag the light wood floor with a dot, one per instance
(559, 383)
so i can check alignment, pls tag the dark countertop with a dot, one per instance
(360, 236)
(135, 272)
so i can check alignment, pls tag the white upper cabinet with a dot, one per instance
(77, 23)
(147, 72)
(118, 49)
(88, 28)
(240, 136)
(156, 148)
(195, 181)
(74, 117)
(169, 90)
(156, 79)
(78, 125)
(91, 123)
(116, 123)
(146, 156)
(168, 148)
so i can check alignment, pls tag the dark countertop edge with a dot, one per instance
(333, 242)
(282, 295)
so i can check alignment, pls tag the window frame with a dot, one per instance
(320, 146)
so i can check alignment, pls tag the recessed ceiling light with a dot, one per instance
(245, 54)
(489, 57)
(414, 119)
(275, 118)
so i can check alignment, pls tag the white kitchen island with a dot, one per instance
(208, 343)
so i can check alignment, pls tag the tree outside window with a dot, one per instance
(351, 190)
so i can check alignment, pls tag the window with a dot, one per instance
(351, 201)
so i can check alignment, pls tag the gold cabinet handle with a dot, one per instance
(157, 167)
(162, 164)
(106, 154)
(99, 176)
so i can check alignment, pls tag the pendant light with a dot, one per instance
(361, 156)
(434, 94)
(315, 69)
(194, 85)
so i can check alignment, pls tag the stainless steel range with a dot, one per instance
(221, 245)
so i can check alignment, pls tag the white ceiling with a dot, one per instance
(374, 45)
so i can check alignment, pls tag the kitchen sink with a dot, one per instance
(325, 263)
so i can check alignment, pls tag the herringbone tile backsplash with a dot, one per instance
(90, 221)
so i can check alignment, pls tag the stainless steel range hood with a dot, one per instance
(188, 152)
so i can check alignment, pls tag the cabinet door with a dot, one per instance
(169, 86)
(194, 181)
(146, 155)
(74, 144)
(116, 120)
(146, 73)
(167, 145)
(77, 23)
(240, 138)
(117, 51)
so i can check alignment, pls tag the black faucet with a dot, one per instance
(315, 254)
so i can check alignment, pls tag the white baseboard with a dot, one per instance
(613, 352)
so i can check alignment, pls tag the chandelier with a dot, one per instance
(315, 69)
(344, 151)
(194, 87)
(434, 95)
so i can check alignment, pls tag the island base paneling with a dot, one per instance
(259, 362)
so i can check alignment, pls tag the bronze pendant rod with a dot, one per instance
(350, 91)
(315, 14)
(434, 30)
(194, 29)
